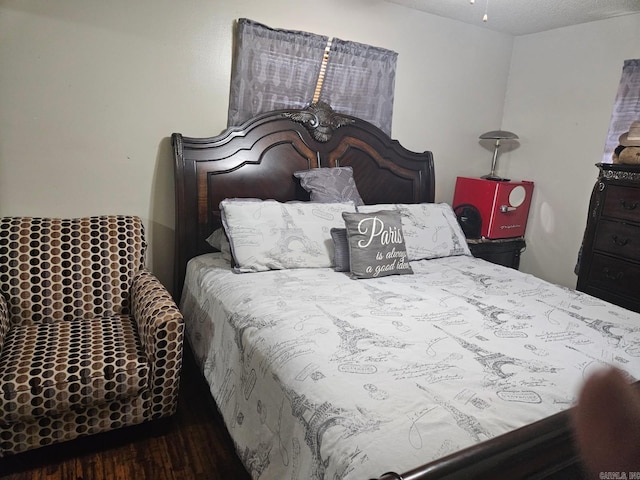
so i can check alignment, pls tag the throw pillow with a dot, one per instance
(340, 249)
(376, 244)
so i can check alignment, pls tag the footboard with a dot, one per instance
(544, 449)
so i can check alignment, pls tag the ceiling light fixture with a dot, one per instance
(485, 17)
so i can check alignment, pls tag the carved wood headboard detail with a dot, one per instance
(320, 119)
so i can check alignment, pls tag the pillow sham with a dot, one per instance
(328, 185)
(431, 230)
(270, 235)
(376, 244)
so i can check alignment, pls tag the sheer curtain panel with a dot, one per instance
(626, 108)
(275, 69)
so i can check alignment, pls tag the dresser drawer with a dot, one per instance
(504, 252)
(619, 239)
(615, 275)
(622, 202)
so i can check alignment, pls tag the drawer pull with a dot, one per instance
(628, 206)
(614, 277)
(618, 242)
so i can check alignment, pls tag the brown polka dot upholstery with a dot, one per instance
(90, 340)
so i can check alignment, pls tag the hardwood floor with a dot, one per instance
(193, 444)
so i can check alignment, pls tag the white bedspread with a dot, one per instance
(319, 376)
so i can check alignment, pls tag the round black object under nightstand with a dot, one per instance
(503, 251)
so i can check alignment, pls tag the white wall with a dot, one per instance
(559, 100)
(90, 92)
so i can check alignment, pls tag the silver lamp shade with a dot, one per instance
(496, 135)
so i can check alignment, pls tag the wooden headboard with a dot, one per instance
(257, 160)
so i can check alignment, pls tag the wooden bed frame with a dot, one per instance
(258, 158)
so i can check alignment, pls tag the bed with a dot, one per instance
(444, 366)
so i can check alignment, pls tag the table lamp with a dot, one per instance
(497, 135)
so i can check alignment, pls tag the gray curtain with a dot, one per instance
(626, 108)
(275, 69)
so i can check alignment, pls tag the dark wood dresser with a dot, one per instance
(610, 261)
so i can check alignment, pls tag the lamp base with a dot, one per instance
(495, 178)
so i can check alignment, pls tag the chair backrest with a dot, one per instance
(55, 269)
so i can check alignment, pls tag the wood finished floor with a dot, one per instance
(193, 444)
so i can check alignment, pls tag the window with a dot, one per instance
(626, 108)
(278, 69)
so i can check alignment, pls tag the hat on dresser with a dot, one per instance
(632, 137)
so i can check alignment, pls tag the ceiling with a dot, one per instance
(522, 17)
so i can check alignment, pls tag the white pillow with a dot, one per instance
(270, 235)
(431, 230)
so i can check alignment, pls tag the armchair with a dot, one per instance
(90, 340)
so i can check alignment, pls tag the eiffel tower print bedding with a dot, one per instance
(320, 376)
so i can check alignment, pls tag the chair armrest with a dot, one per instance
(4, 320)
(161, 329)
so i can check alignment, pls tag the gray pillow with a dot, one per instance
(376, 244)
(328, 185)
(340, 249)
